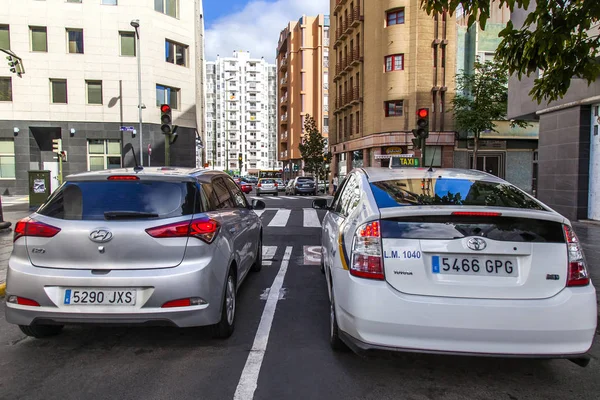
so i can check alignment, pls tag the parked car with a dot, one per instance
(453, 261)
(244, 186)
(267, 186)
(303, 185)
(250, 179)
(157, 246)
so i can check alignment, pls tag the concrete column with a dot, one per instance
(366, 158)
(375, 151)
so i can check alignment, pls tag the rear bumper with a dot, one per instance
(202, 277)
(266, 191)
(561, 326)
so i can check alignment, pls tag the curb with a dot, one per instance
(2, 289)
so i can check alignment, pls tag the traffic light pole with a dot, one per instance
(423, 147)
(60, 168)
(168, 150)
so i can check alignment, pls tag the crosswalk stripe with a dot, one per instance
(281, 218)
(269, 254)
(274, 197)
(311, 219)
(259, 212)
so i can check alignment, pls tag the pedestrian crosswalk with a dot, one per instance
(282, 217)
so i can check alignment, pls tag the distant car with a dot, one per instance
(303, 185)
(250, 179)
(158, 247)
(280, 185)
(267, 186)
(453, 261)
(244, 186)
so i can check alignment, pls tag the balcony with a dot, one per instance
(283, 154)
(338, 70)
(325, 129)
(356, 17)
(284, 99)
(338, 38)
(283, 64)
(284, 119)
(284, 135)
(344, 66)
(344, 30)
(252, 139)
(326, 108)
(284, 81)
(356, 58)
(338, 5)
(355, 95)
(252, 128)
(254, 77)
(253, 88)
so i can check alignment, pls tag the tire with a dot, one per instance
(276, 194)
(257, 194)
(226, 325)
(334, 333)
(41, 331)
(257, 266)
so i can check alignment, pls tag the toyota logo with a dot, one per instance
(476, 244)
(101, 236)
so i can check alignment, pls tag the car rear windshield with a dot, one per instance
(306, 178)
(267, 181)
(444, 191)
(100, 200)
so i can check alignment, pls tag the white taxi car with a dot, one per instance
(453, 261)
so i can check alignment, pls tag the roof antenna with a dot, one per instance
(129, 147)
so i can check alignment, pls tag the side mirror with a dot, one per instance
(258, 205)
(320, 204)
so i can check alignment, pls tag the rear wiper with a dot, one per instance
(128, 215)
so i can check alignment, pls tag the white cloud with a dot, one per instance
(256, 28)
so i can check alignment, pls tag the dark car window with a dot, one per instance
(444, 191)
(349, 197)
(222, 196)
(127, 199)
(306, 178)
(267, 181)
(237, 195)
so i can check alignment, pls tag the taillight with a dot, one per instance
(22, 301)
(204, 229)
(577, 274)
(258, 185)
(31, 227)
(123, 178)
(476, 214)
(366, 252)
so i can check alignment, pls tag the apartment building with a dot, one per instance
(568, 156)
(241, 115)
(303, 82)
(81, 84)
(507, 152)
(391, 59)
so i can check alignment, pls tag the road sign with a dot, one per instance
(127, 129)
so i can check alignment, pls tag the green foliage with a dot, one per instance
(313, 149)
(556, 37)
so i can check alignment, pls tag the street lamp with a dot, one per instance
(136, 25)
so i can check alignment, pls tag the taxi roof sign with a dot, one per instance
(400, 160)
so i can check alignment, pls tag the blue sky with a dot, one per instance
(252, 25)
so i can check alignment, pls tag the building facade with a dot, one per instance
(80, 84)
(391, 59)
(303, 82)
(568, 158)
(506, 152)
(241, 115)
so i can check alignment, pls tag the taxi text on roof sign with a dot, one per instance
(400, 160)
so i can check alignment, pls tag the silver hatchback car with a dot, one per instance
(158, 246)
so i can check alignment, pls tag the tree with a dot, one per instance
(481, 100)
(313, 149)
(556, 37)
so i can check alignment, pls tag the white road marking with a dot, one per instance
(274, 198)
(312, 255)
(311, 219)
(281, 218)
(259, 212)
(268, 254)
(249, 379)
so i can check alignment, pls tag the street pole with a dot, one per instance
(423, 146)
(168, 150)
(136, 24)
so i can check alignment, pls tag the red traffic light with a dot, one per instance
(423, 113)
(165, 108)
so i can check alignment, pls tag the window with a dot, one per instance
(39, 38)
(434, 156)
(394, 62)
(104, 154)
(176, 53)
(357, 122)
(75, 41)
(169, 7)
(349, 197)
(4, 37)
(221, 196)
(167, 95)
(94, 92)
(237, 195)
(5, 89)
(109, 2)
(395, 17)
(127, 44)
(58, 89)
(394, 108)
(7, 159)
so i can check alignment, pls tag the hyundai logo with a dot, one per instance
(101, 236)
(476, 244)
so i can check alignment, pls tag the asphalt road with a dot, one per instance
(297, 363)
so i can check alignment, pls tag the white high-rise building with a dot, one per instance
(241, 114)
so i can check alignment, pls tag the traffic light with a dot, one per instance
(423, 123)
(417, 140)
(240, 157)
(57, 146)
(165, 119)
(14, 63)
